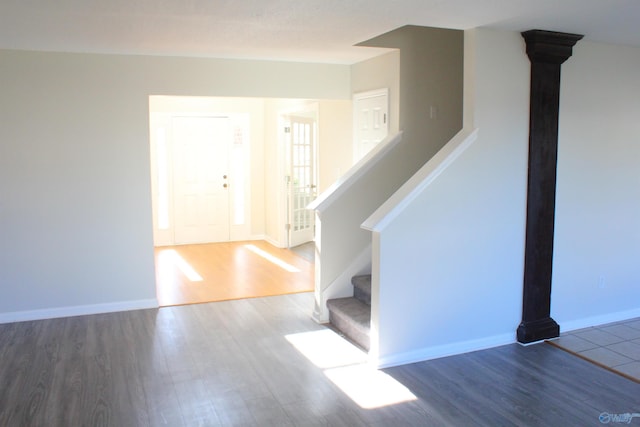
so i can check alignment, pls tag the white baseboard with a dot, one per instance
(271, 241)
(78, 310)
(439, 351)
(587, 322)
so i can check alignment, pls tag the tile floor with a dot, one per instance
(614, 345)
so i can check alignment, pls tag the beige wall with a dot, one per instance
(378, 73)
(431, 79)
(75, 198)
(431, 74)
(335, 154)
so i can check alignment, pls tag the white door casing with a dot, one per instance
(371, 120)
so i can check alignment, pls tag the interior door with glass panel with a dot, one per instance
(302, 180)
(200, 179)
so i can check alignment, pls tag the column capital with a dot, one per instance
(549, 46)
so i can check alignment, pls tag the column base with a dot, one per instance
(537, 330)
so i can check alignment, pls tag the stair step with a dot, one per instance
(362, 288)
(352, 317)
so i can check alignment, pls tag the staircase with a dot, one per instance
(352, 315)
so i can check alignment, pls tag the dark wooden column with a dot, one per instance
(547, 51)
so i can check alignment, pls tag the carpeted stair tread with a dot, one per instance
(362, 288)
(352, 317)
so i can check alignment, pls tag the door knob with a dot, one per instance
(224, 176)
(225, 185)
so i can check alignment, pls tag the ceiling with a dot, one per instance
(301, 30)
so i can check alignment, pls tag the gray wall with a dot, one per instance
(430, 73)
(377, 73)
(431, 76)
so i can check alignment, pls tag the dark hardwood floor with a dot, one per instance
(264, 362)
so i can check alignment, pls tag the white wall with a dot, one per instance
(75, 202)
(598, 188)
(451, 266)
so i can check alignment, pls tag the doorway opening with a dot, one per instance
(300, 135)
(200, 178)
(213, 188)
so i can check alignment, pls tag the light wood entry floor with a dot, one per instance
(190, 274)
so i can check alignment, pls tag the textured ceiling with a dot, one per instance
(301, 30)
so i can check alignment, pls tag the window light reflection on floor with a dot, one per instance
(173, 257)
(369, 387)
(346, 366)
(326, 349)
(273, 259)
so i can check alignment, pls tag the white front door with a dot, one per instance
(371, 120)
(302, 180)
(200, 179)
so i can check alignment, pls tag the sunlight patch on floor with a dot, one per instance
(273, 259)
(369, 387)
(347, 367)
(326, 349)
(173, 257)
